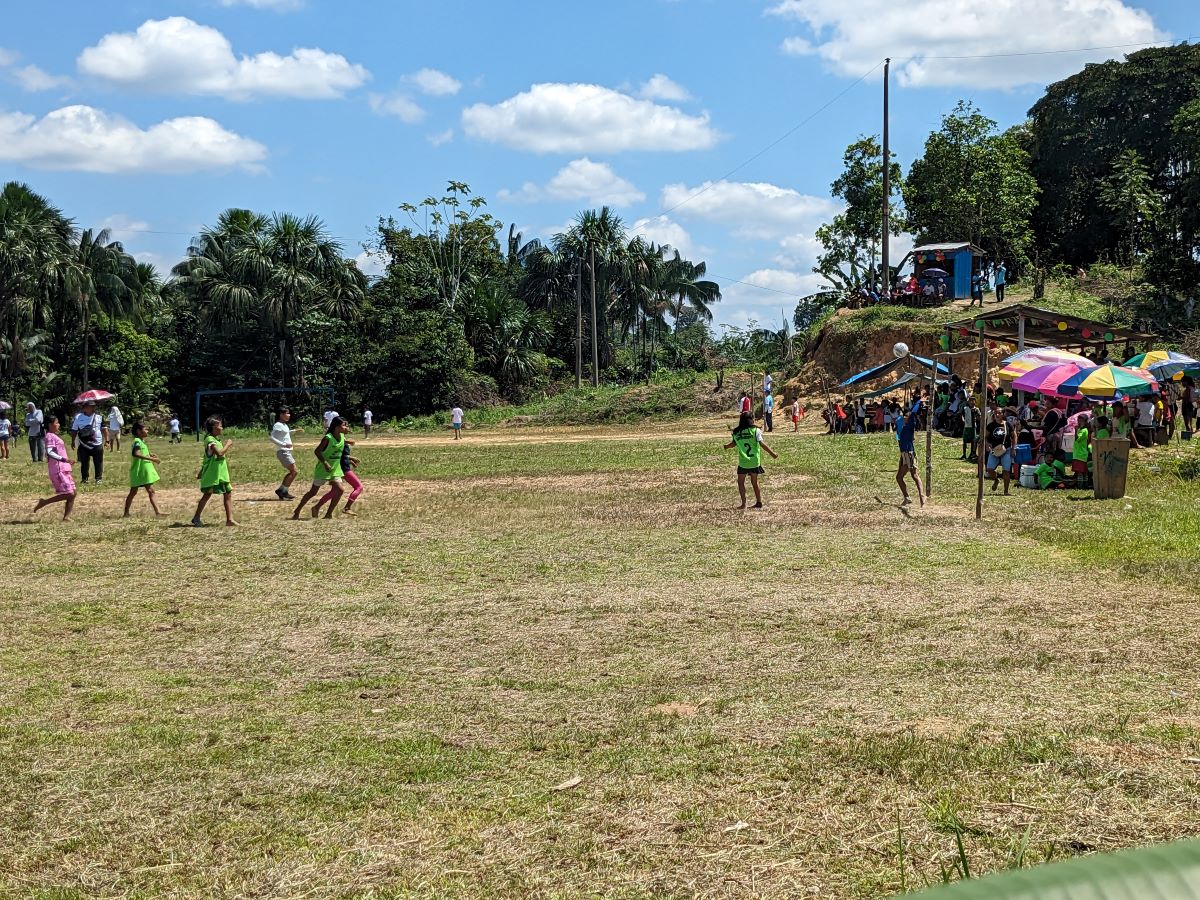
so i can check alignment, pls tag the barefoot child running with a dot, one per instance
(214, 471)
(142, 473)
(329, 467)
(61, 481)
(349, 464)
(749, 443)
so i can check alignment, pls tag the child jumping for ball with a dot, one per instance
(142, 473)
(214, 471)
(59, 464)
(749, 443)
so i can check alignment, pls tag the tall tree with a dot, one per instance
(973, 184)
(1131, 199)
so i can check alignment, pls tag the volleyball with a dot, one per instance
(901, 350)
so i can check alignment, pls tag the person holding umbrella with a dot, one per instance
(91, 434)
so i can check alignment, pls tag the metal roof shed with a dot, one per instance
(959, 259)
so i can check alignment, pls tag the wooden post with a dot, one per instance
(929, 432)
(979, 450)
(885, 261)
(578, 323)
(595, 326)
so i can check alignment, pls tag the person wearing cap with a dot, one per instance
(35, 432)
(91, 434)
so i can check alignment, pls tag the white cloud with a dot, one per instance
(581, 179)
(765, 297)
(123, 227)
(181, 56)
(661, 230)
(441, 137)
(660, 87)
(276, 5)
(434, 83)
(586, 118)
(85, 139)
(8, 57)
(403, 108)
(750, 209)
(853, 35)
(34, 79)
(371, 264)
(798, 251)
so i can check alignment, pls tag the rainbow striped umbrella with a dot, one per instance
(1163, 364)
(1046, 379)
(1027, 360)
(1107, 382)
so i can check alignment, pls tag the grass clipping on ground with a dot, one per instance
(565, 665)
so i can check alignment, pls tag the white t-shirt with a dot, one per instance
(5, 429)
(769, 403)
(456, 415)
(330, 415)
(368, 417)
(1146, 410)
(281, 436)
(83, 423)
(115, 419)
(174, 423)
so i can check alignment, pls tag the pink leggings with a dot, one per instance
(356, 490)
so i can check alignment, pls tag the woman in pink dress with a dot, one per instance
(61, 481)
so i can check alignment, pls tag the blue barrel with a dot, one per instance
(1024, 454)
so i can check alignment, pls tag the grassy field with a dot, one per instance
(559, 663)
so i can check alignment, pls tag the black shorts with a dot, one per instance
(755, 471)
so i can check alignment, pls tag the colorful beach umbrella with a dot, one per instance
(94, 397)
(1046, 379)
(1163, 364)
(1108, 382)
(1026, 361)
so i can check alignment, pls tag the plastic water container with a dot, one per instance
(1029, 477)
(1024, 454)
(1068, 440)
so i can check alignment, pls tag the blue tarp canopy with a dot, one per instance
(907, 378)
(880, 371)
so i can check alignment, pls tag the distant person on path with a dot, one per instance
(1000, 443)
(142, 473)
(796, 414)
(969, 415)
(59, 465)
(281, 437)
(749, 443)
(368, 421)
(769, 411)
(328, 416)
(5, 433)
(1001, 281)
(328, 471)
(976, 288)
(90, 432)
(906, 433)
(214, 471)
(116, 421)
(744, 403)
(173, 426)
(34, 430)
(768, 383)
(456, 422)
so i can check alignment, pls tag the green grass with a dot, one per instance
(383, 706)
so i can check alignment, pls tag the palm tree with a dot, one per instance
(34, 250)
(685, 281)
(508, 337)
(274, 271)
(100, 278)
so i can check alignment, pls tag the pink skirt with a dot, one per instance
(61, 481)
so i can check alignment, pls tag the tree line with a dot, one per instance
(1105, 169)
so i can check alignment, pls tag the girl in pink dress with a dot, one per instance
(59, 462)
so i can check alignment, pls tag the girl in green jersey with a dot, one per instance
(749, 443)
(142, 473)
(214, 471)
(328, 471)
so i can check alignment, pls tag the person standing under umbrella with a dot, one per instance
(35, 432)
(91, 434)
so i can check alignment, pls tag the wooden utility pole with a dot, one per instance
(885, 269)
(578, 322)
(595, 328)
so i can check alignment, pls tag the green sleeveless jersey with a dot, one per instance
(141, 471)
(333, 456)
(215, 469)
(749, 452)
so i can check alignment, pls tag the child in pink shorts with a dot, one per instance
(59, 465)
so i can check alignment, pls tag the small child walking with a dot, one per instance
(456, 422)
(5, 433)
(174, 426)
(749, 443)
(796, 414)
(59, 466)
(214, 471)
(142, 473)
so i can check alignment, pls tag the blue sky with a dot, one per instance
(153, 117)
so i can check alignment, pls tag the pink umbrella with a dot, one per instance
(1046, 379)
(94, 397)
(4, 405)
